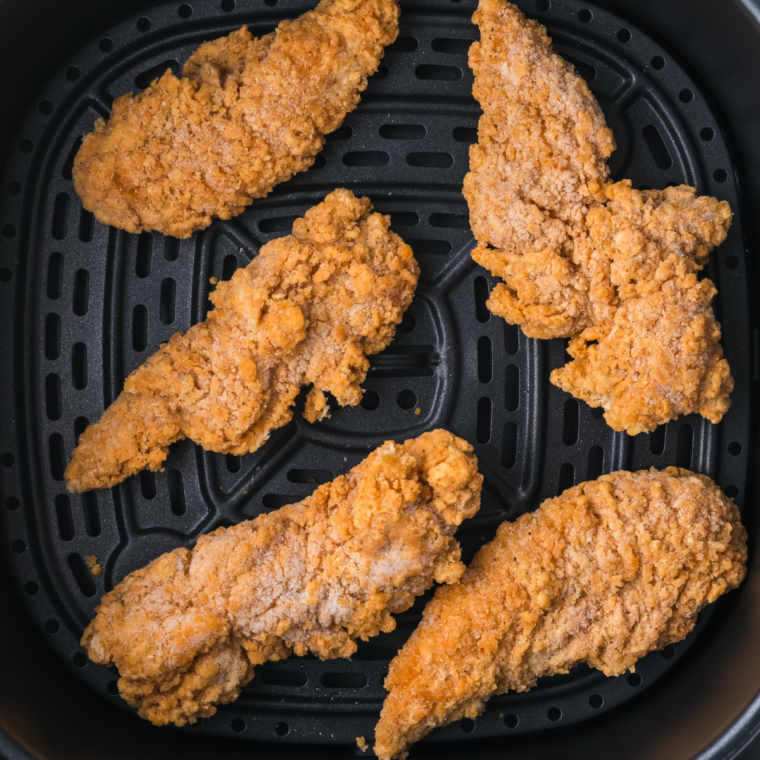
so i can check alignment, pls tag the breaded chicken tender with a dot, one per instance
(246, 115)
(186, 631)
(308, 309)
(603, 574)
(574, 249)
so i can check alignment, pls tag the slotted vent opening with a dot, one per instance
(176, 492)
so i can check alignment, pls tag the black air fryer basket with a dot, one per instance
(83, 305)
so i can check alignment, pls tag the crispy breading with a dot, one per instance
(246, 115)
(603, 574)
(186, 631)
(308, 309)
(573, 248)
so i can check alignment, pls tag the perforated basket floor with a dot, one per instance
(86, 304)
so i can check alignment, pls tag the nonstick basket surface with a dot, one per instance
(91, 303)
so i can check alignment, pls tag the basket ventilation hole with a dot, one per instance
(53, 400)
(238, 725)
(658, 62)
(485, 360)
(9, 231)
(566, 478)
(270, 3)
(7, 460)
(720, 175)
(683, 450)
(406, 399)
(81, 300)
(596, 701)
(148, 484)
(451, 46)
(707, 134)
(143, 24)
(624, 35)
(435, 73)
(310, 477)
(146, 77)
(86, 226)
(171, 249)
(5, 274)
(61, 216)
(382, 72)
(275, 501)
(176, 493)
(79, 366)
(669, 652)
(18, 546)
(57, 456)
(466, 134)
(732, 262)
(91, 513)
(370, 400)
(343, 132)
(144, 254)
(509, 446)
(450, 221)
(14, 188)
(113, 688)
(228, 5)
(735, 448)
(657, 147)
(511, 721)
(185, 11)
(80, 425)
(82, 576)
(543, 5)
(511, 339)
(26, 146)
(570, 422)
(657, 440)
(634, 679)
(467, 725)
(402, 131)
(31, 588)
(554, 714)
(106, 45)
(282, 677)
(480, 284)
(430, 160)
(403, 45)
(166, 310)
(79, 659)
(434, 247)
(73, 73)
(408, 323)
(282, 728)
(732, 492)
(686, 96)
(52, 626)
(343, 680)
(233, 463)
(595, 463)
(279, 224)
(68, 164)
(140, 328)
(45, 107)
(586, 70)
(512, 388)
(12, 503)
(65, 520)
(585, 16)
(366, 158)
(483, 420)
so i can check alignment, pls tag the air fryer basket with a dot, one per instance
(87, 304)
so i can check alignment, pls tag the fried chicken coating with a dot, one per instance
(603, 574)
(573, 248)
(186, 631)
(246, 115)
(308, 309)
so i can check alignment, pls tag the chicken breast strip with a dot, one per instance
(573, 249)
(308, 309)
(246, 115)
(186, 631)
(603, 574)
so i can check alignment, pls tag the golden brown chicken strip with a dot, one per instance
(307, 309)
(603, 574)
(573, 248)
(247, 115)
(186, 631)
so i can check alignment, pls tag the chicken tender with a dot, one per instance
(573, 248)
(246, 115)
(308, 309)
(186, 631)
(603, 574)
